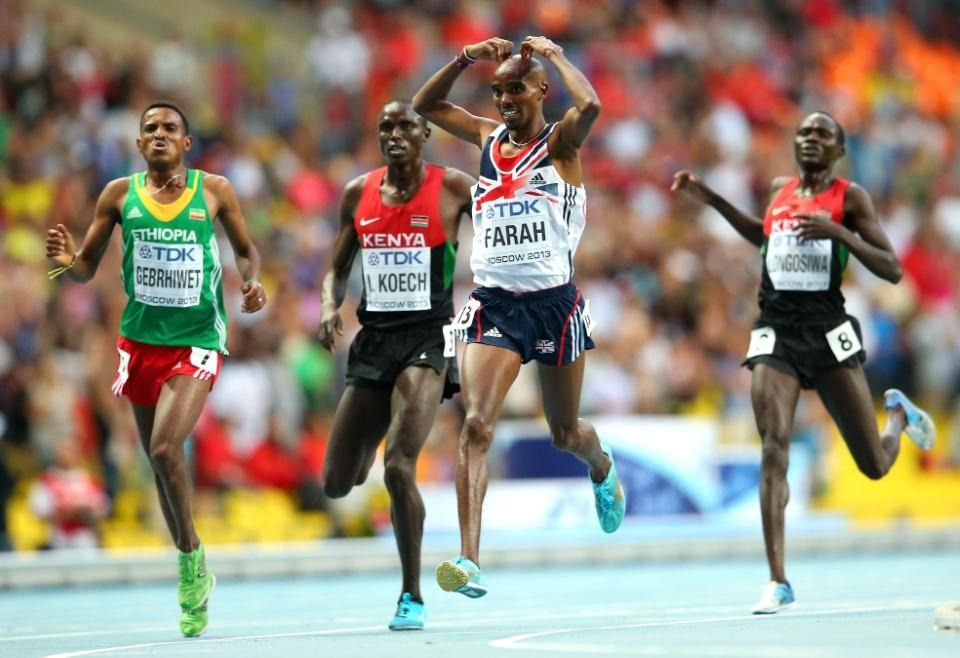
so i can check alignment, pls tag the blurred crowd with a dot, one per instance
(717, 87)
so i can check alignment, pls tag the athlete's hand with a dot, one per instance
(254, 298)
(538, 45)
(685, 181)
(61, 249)
(331, 326)
(495, 49)
(819, 227)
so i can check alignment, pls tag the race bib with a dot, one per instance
(587, 318)
(449, 341)
(513, 231)
(762, 341)
(464, 317)
(843, 341)
(798, 265)
(167, 274)
(397, 279)
(205, 361)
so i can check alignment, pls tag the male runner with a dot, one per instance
(403, 220)
(528, 216)
(174, 328)
(804, 338)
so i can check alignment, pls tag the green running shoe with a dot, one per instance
(193, 623)
(196, 583)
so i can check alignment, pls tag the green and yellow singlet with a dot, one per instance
(171, 269)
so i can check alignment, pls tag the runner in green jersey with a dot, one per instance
(173, 331)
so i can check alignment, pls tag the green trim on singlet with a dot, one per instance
(449, 263)
(843, 255)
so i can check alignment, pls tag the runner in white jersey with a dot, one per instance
(527, 219)
(528, 216)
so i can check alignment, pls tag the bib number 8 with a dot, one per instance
(843, 341)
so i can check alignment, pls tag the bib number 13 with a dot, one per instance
(843, 341)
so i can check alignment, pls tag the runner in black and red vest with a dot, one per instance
(804, 339)
(403, 220)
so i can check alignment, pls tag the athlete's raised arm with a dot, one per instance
(245, 252)
(61, 249)
(573, 128)
(750, 227)
(345, 247)
(431, 100)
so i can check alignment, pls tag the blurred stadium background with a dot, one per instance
(282, 95)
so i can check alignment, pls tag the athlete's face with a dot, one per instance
(402, 133)
(163, 139)
(817, 143)
(518, 92)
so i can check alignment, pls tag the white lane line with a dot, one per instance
(517, 641)
(212, 640)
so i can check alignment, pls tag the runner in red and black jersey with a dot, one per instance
(403, 220)
(804, 337)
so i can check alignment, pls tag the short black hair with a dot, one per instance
(171, 105)
(841, 133)
(409, 103)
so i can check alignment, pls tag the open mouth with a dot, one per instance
(509, 113)
(396, 149)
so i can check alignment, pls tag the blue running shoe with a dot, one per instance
(410, 615)
(920, 426)
(463, 576)
(775, 596)
(609, 497)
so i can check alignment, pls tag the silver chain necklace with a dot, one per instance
(521, 145)
(164, 186)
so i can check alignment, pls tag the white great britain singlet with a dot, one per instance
(527, 221)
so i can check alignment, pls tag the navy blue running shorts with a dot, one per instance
(550, 326)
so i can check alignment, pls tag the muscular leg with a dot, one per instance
(359, 425)
(774, 395)
(415, 400)
(181, 400)
(846, 396)
(144, 416)
(486, 375)
(561, 405)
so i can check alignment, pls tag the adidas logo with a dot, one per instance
(493, 333)
(134, 213)
(538, 180)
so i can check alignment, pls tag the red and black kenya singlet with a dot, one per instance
(407, 258)
(801, 280)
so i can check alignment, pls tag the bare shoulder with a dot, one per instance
(855, 191)
(354, 189)
(116, 189)
(458, 182)
(857, 198)
(777, 183)
(219, 185)
(113, 195)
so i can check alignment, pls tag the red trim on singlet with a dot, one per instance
(372, 216)
(788, 204)
(566, 327)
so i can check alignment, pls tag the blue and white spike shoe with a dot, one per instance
(920, 427)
